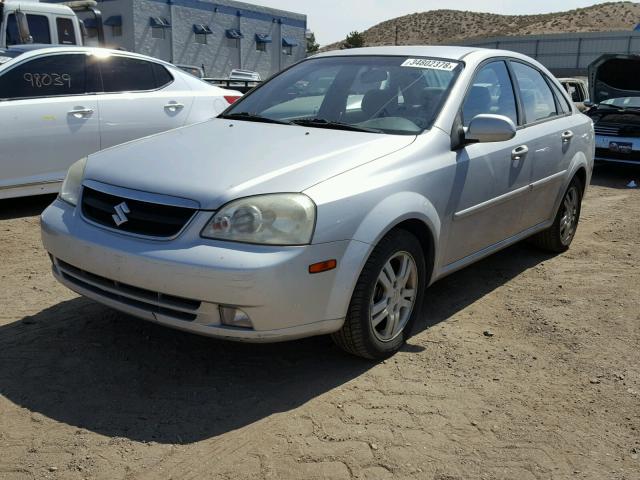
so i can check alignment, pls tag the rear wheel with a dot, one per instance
(559, 236)
(387, 298)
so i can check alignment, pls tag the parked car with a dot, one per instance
(577, 90)
(615, 93)
(192, 69)
(332, 220)
(58, 104)
(245, 75)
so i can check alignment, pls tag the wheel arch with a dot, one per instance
(409, 211)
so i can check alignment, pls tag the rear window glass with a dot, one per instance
(562, 100)
(54, 75)
(122, 74)
(66, 31)
(38, 28)
(537, 98)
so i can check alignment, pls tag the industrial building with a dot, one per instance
(217, 35)
(566, 54)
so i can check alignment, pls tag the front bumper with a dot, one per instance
(182, 283)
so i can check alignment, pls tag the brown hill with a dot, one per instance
(455, 26)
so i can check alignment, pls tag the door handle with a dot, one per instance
(80, 112)
(566, 136)
(173, 107)
(519, 153)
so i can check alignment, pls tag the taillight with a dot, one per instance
(231, 98)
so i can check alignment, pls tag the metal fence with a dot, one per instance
(566, 54)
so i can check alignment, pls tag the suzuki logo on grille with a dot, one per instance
(120, 216)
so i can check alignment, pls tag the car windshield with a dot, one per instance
(380, 94)
(623, 102)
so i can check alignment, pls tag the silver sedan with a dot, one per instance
(328, 199)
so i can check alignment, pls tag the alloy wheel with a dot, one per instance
(394, 296)
(569, 218)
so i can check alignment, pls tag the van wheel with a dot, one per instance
(387, 298)
(559, 236)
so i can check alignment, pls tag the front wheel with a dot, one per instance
(387, 298)
(559, 235)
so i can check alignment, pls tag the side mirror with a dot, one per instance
(489, 128)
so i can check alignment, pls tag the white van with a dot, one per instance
(24, 21)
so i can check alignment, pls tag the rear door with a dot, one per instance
(548, 117)
(48, 116)
(139, 98)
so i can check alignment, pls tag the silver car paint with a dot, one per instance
(213, 170)
(363, 184)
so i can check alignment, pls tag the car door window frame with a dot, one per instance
(516, 85)
(119, 92)
(557, 92)
(479, 68)
(89, 68)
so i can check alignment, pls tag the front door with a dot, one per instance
(492, 178)
(49, 119)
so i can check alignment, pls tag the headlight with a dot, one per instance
(276, 219)
(70, 191)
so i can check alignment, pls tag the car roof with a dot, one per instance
(437, 51)
(32, 50)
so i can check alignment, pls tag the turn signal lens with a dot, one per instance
(231, 98)
(323, 266)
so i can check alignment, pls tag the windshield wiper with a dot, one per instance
(323, 123)
(253, 117)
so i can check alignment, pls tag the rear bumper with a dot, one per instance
(183, 282)
(606, 153)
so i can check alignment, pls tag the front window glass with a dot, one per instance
(388, 94)
(55, 75)
(491, 92)
(38, 28)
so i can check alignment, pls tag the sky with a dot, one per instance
(332, 20)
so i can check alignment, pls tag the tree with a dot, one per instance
(312, 46)
(354, 40)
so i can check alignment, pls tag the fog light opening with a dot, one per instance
(234, 317)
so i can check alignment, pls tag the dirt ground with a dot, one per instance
(525, 366)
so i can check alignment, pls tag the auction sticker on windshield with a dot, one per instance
(431, 64)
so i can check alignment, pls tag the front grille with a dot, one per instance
(633, 156)
(617, 130)
(141, 218)
(608, 130)
(155, 302)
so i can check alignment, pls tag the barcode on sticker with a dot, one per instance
(432, 64)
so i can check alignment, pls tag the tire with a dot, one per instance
(560, 234)
(399, 253)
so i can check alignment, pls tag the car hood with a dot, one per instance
(614, 76)
(219, 160)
